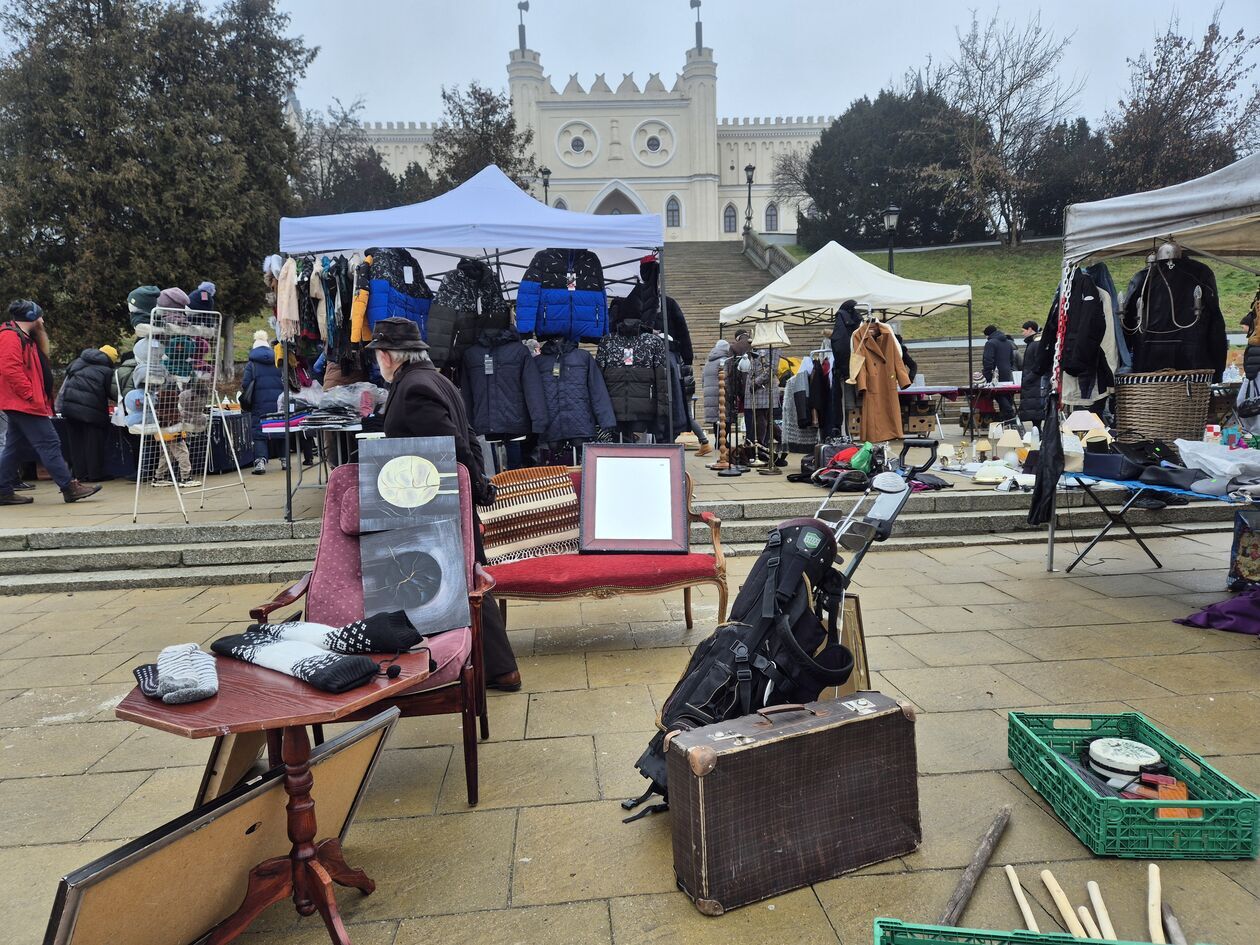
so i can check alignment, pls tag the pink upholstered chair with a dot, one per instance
(333, 589)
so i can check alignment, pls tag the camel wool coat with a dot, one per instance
(881, 375)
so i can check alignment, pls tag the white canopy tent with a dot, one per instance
(488, 217)
(1217, 214)
(811, 292)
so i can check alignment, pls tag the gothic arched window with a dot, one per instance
(772, 218)
(730, 219)
(673, 212)
(560, 204)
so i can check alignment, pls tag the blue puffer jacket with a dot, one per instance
(547, 307)
(574, 390)
(268, 386)
(502, 393)
(384, 301)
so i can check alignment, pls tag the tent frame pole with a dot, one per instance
(971, 373)
(670, 432)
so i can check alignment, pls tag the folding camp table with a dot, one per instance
(1138, 489)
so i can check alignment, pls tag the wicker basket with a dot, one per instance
(1164, 405)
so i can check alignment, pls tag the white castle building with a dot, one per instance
(639, 150)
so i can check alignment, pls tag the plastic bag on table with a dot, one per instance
(1219, 461)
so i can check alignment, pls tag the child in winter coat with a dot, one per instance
(263, 384)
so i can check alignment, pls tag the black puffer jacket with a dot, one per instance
(1032, 401)
(645, 298)
(394, 265)
(1251, 362)
(86, 392)
(1173, 320)
(999, 356)
(469, 301)
(502, 393)
(575, 392)
(633, 363)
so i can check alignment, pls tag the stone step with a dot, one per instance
(985, 524)
(12, 539)
(153, 557)
(150, 578)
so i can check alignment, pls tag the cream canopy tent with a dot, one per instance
(810, 293)
(1217, 214)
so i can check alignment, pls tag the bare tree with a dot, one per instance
(788, 178)
(1191, 108)
(328, 144)
(1005, 81)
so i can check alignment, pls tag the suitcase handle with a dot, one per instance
(789, 707)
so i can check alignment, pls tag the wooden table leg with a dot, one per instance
(269, 882)
(334, 861)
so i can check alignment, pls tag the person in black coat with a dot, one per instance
(84, 406)
(1032, 383)
(999, 359)
(422, 402)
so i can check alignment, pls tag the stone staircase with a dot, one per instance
(704, 278)
(59, 560)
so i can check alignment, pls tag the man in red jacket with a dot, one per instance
(26, 399)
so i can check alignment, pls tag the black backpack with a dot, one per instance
(780, 645)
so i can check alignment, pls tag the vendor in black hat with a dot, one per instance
(424, 403)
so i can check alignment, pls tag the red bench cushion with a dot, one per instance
(575, 574)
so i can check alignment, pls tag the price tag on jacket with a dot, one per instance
(487, 364)
(555, 369)
(570, 281)
(627, 356)
(409, 275)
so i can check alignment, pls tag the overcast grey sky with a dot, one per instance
(775, 57)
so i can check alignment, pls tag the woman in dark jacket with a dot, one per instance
(261, 372)
(424, 403)
(84, 406)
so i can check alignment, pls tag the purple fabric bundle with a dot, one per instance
(1239, 614)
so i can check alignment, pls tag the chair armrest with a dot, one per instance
(483, 582)
(715, 533)
(291, 594)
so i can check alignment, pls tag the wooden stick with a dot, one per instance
(1087, 920)
(1021, 900)
(1154, 893)
(1100, 910)
(971, 875)
(1172, 926)
(1061, 902)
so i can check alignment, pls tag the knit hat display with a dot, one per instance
(172, 298)
(380, 633)
(331, 672)
(110, 352)
(207, 286)
(201, 300)
(186, 674)
(149, 349)
(260, 340)
(133, 407)
(142, 299)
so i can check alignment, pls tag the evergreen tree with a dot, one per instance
(140, 142)
(1068, 166)
(477, 129)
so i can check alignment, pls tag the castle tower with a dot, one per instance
(699, 84)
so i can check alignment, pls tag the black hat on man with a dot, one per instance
(24, 310)
(397, 334)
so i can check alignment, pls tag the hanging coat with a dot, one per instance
(575, 392)
(882, 374)
(1173, 320)
(1032, 398)
(502, 394)
(633, 364)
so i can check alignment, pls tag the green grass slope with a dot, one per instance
(1009, 286)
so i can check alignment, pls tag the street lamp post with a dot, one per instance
(749, 170)
(546, 176)
(890, 224)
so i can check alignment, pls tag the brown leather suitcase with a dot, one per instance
(790, 796)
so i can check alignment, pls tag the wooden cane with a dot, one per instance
(971, 875)
(1070, 920)
(1172, 926)
(1100, 910)
(1021, 900)
(1154, 917)
(1087, 920)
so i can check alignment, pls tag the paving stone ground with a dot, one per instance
(964, 634)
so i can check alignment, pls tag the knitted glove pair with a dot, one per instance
(184, 674)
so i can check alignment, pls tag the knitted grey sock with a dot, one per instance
(175, 668)
(194, 676)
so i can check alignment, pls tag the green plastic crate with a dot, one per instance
(1112, 826)
(892, 932)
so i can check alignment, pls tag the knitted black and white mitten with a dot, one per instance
(186, 674)
(380, 633)
(263, 646)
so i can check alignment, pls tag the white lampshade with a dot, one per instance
(770, 335)
(1082, 420)
(1010, 440)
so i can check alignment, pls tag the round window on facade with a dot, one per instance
(653, 143)
(577, 144)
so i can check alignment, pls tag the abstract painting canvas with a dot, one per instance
(419, 569)
(406, 481)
